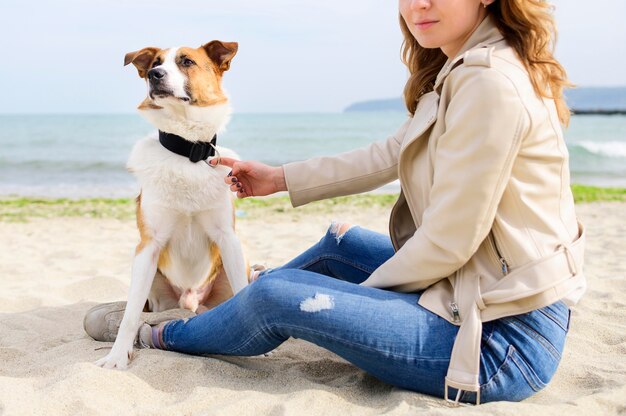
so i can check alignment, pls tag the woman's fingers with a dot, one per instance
(239, 188)
(234, 164)
(241, 192)
(226, 161)
(246, 175)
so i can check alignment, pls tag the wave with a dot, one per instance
(63, 165)
(615, 149)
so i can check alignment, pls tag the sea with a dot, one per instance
(83, 155)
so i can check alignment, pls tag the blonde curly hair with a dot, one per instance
(527, 25)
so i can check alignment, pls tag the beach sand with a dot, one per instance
(52, 270)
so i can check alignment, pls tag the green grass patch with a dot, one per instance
(21, 209)
(583, 193)
(282, 203)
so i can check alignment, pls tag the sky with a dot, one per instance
(66, 56)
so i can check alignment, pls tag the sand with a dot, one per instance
(53, 270)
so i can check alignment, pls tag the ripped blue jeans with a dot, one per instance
(316, 297)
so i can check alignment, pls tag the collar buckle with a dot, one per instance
(200, 151)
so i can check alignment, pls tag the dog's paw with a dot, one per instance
(118, 358)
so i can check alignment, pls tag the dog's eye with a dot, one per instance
(156, 63)
(188, 62)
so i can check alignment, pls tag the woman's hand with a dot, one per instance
(252, 178)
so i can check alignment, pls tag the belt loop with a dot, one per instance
(479, 298)
(573, 268)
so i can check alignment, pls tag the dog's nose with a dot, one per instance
(155, 74)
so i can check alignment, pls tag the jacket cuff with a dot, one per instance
(295, 181)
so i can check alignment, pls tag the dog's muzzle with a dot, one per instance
(155, 75)
(158, 86)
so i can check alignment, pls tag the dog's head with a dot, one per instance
(183, 76)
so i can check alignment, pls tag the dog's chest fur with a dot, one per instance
(174, 181)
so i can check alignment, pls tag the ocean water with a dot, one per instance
(85, 155)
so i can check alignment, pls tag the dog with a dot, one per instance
(189, 255)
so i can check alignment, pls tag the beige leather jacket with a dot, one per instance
(485, 221)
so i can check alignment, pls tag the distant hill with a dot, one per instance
(581, 100)
(598, 99)
(390, 104)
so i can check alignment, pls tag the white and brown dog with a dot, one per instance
(189, 255)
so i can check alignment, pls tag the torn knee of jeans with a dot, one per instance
(317, 303)
(339, 229)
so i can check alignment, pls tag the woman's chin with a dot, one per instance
(428, 43)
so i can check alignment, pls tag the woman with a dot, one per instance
(469, 297)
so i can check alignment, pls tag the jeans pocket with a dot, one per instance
(559, 313)
(514, 380)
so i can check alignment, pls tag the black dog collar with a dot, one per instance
(194, 151)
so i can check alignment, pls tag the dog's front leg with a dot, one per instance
(232, 258)
(143, 271)
(222, 232)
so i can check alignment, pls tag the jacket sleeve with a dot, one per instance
(473, 159)
(347, 173)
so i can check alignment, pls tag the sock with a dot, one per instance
(155, 336)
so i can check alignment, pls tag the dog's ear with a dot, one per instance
(221, 53)
(141, 59)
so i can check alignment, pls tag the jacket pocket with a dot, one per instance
(496, 254)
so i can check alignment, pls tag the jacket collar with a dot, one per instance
(486, 33)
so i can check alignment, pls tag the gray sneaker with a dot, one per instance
(103, 321)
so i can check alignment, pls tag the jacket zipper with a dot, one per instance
(454, 307)
(504, 265)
